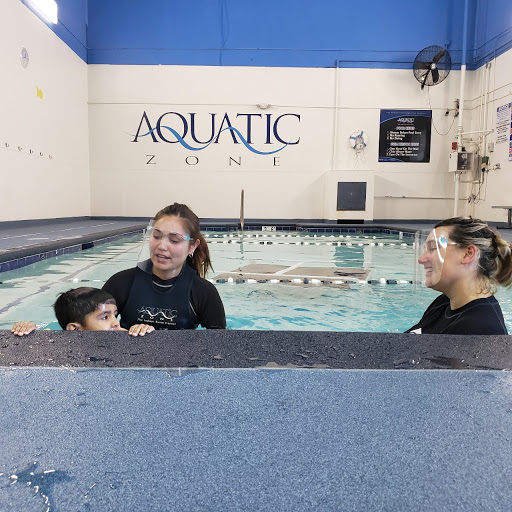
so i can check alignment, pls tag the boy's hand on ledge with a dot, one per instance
(23, 328)
(140, 329)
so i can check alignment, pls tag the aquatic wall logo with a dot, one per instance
(184, 129)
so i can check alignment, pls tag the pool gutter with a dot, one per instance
(256, 349)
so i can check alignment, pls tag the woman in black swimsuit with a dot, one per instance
(466, 261)
(168, 291)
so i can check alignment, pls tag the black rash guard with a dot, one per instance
(480, 316)
(205, 304)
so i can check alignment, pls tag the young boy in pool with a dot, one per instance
(85, 309)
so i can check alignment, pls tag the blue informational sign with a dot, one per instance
(404, 135)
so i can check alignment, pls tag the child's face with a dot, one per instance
(103, 319)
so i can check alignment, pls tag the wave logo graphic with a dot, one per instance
(190, 148)
(270, 126)
(167, 314)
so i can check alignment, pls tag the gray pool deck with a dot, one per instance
(260, 421)
(29, 234)
(249, 420)
(255, 440)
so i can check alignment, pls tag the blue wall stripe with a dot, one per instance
(298, 33)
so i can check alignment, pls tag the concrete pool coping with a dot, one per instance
(256, 349)
(26, 253)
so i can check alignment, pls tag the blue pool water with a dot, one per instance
(29, 292)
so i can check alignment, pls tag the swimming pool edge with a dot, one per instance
(256, 349)
(18, 257)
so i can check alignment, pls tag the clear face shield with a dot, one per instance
(430, 256)
(153, 236)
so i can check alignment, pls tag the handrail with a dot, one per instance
(242, 210)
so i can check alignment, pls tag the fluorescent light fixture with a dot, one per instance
(48, 8)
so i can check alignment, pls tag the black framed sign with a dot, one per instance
(404, 135)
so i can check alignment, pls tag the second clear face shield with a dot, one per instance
(430, 255)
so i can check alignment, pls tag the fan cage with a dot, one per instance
(423, 61)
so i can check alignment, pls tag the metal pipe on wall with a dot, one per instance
(242, 214)
(460, 129)
(486, 96)
(335, 119)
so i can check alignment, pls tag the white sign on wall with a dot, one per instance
(504, 127)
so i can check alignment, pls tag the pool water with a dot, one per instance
(28, 293)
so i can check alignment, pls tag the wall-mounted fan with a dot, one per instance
(432, 65)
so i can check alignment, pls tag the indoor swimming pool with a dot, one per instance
(268, 280)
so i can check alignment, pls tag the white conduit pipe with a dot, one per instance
(335, 119)
(461, 105)
(486, 96)
(482, 89)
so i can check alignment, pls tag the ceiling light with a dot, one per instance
(48, 8)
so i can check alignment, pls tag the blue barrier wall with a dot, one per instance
(301, 33)
(493, 30)
(268, 33)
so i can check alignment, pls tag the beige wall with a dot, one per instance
(288, 184)
(301, 185)
(497, 190)
(88, 117)
(33, 185)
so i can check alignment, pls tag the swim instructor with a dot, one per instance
(168, 290)
(466, 261)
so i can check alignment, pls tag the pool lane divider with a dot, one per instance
(299, 274)
(312, 281)
(322, 242)
(304, 239)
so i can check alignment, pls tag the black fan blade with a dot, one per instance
(438, 57)
(425, 78)
(435, 75)
(421, 65)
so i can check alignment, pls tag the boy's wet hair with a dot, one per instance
(75, 304)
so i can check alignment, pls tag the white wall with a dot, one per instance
(288, 184)
(33, 185)
(297, 183)
(123, 183)
(402, 190)
(497, 189)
